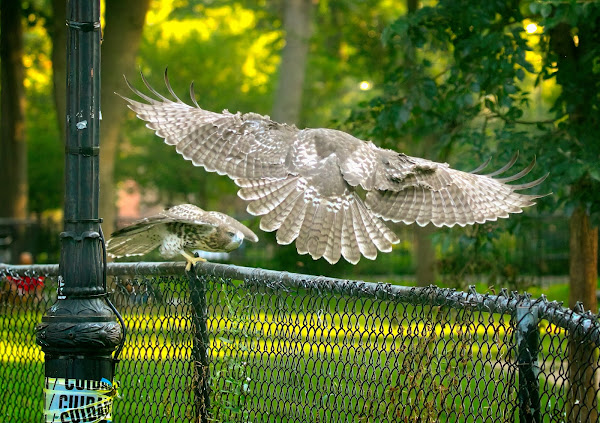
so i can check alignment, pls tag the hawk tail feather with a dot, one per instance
(322, 227)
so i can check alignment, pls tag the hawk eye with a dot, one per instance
(230, 234)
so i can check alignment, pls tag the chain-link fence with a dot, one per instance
(539, 248)
(234, 344)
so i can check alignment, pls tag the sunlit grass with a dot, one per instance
(152, 330)
(300, 364)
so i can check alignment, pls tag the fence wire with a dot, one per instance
(232, 344)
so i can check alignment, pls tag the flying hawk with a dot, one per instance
(324, 188)
(178, 230)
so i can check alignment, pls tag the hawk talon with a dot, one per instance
(191, 260)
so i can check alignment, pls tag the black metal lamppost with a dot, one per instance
(80, 332)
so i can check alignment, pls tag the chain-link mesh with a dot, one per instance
(243, 345)
(23, 300)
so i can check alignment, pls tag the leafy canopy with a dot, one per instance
(477, 77)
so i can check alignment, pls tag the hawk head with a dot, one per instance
(235, 239)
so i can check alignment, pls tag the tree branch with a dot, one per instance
(521, 121)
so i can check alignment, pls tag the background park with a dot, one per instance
(451, 81)
(456, 81)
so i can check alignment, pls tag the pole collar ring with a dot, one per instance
(79, 236)
(83, 151)
(84, 26)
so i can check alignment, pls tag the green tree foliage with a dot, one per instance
(346, 50)
(468, 75)
(570, 47)
(231, 60)
(45, 152)
(456, 76)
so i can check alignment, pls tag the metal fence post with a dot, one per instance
(527, 345)
(80, 331)
(200, 347)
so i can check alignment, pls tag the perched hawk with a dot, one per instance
(178, 230)
(325, 188)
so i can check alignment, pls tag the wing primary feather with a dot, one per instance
(461, 208)
(138, 93)
(115, 247)
(518, 175)
(530, 184)
(213, 158)
(209, 147)
(193, 95)
(481, 166)
(507, 166)
(427, 209)
(133, 243)
(152, 90)
(188, 147)
(168, 84)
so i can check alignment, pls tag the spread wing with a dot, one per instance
(409, 189)
(240, 146)
(306, 183)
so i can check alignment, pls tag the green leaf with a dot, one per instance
(403, 115)
(595, 173)
(520, 74)
(546, 10)
(534, 7)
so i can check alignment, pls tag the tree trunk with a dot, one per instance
(424, 253)
(13, 147)
(122, 36)
(297, 22)
(423, 242)
(583, 274)
(583, 262)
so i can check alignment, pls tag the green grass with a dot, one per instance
(265, 363)
(287, 387)
(21, 392)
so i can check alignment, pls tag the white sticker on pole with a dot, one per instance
(76, 400)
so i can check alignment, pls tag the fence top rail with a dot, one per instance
(585, 324)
